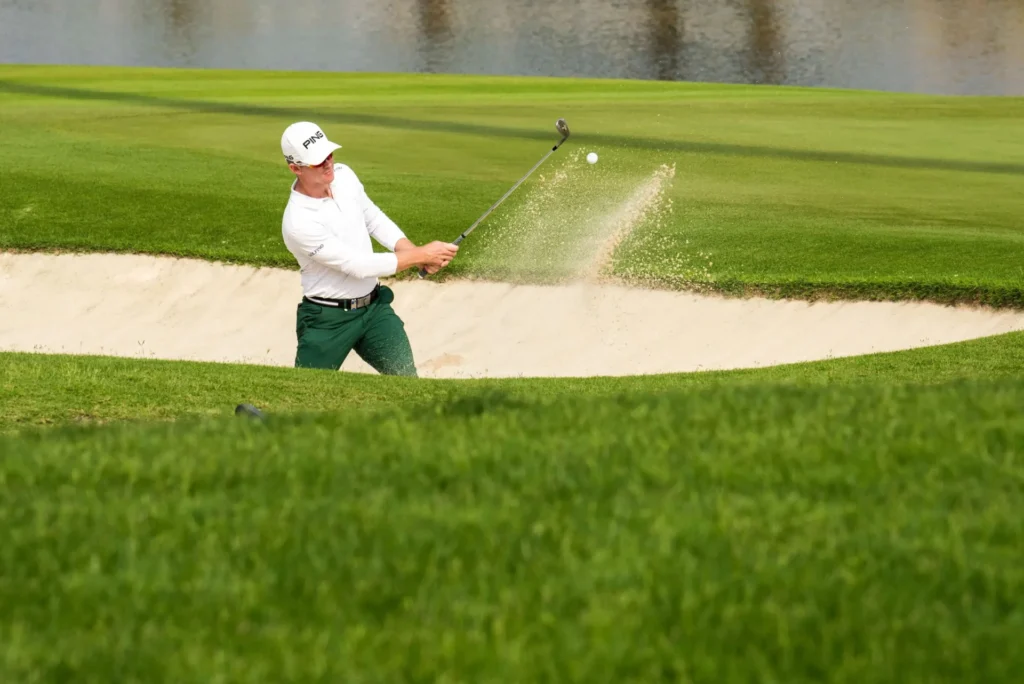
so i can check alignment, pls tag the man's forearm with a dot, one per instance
(435, 253)
(409, 255)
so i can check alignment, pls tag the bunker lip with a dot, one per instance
(188, 309)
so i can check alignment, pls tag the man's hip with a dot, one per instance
(326, 334)
(346, 304)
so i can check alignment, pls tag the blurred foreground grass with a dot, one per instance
(732, 533)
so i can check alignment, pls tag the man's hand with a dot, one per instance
(433, 256)
(437, 255)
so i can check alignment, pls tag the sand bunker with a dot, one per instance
(138, 306)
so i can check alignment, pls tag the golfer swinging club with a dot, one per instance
(327, 226)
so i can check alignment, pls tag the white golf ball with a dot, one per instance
(592, 158)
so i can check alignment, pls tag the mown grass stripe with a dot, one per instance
(333, 116)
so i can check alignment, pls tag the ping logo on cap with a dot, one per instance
(312, 139)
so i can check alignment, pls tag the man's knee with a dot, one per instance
(319, 344)
(385, 346)
(400, 364)
(389, 354)
(317, 356)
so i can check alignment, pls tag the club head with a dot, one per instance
(562, 128)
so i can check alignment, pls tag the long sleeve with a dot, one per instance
(381, 227)
(378, 224)
(313, 240)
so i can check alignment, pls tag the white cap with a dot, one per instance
(304, 142)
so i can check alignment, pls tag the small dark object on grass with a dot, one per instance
(248, 410)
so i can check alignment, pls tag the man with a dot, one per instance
(327, 226)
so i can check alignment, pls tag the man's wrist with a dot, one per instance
(408, 257)
(404, 244)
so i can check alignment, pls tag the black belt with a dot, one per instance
(347, 304)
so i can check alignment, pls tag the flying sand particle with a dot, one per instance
(569, 226)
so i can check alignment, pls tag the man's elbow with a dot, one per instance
(356, 269)
(365, 272)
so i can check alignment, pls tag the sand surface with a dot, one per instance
(139, 306)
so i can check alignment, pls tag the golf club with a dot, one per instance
(563, 130)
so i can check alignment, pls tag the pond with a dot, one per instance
(927, 46)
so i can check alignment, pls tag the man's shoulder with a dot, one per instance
(343, 173)
(298, 204)
(298, 212)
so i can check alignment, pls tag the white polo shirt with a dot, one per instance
(330, 239)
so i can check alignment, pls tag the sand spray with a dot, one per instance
(572, 220)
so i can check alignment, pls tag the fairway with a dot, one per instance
(786, 191)
(739, 402)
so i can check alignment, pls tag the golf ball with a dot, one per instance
(592, 158)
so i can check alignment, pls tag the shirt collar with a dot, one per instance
(306, 200)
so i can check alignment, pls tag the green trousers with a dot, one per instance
(327, 334)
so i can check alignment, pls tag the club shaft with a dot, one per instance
(423, 271)
(505, 196)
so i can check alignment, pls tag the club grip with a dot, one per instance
(423, 270)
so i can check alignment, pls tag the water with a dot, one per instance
(928, 46)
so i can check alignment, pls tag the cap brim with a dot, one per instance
(324, 151)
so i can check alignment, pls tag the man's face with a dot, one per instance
(321, 174)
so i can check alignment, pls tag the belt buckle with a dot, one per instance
(367, 299)
(357, 302)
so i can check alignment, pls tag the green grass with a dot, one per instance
(46, 390)
(849, 520)
(729, 533)
(784, 191)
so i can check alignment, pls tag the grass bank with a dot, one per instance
(840, 533)
(802, 192)
(53, 390)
